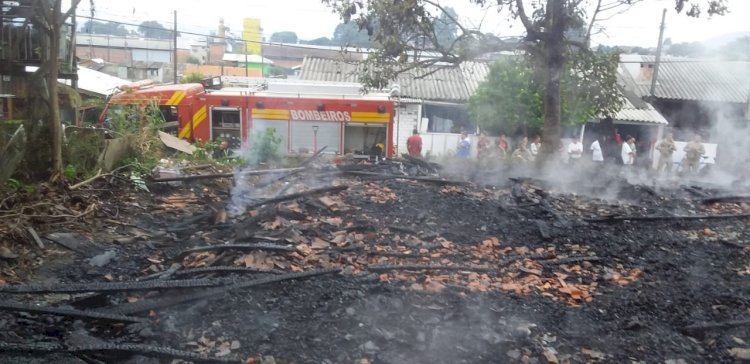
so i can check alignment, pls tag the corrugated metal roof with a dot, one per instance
(644, 113)
(454, 84)
(690, 79)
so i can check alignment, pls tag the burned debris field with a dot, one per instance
(377, 264)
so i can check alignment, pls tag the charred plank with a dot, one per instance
(131, 348)
(145, 306)
(438, 181)
(725, 199)
(471, 268)
(242, 247)
(225, 269)
(668, 218)
(293, 196)
(114, 286)
(90, 315)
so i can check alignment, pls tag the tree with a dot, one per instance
(737, 50)
(152, 29)
(322, 41)
(446, 30)
(511, 98)
(351, 35)
(50, 19)
(643, 51)
(407, 39)
(692, 49)
(284, 37)
(111, 28)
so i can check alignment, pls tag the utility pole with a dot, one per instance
(174, 33)
(658, 54)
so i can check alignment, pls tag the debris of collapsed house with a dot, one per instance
(395, 228)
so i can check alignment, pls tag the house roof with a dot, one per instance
(452, 84)
(642, 113)
(249, 58)
(690, 79)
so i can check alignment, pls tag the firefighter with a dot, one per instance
(666, 149)
(222, 151)
(694, 150)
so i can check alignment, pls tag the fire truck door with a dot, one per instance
(226, 124)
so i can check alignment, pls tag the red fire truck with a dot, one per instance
(344, 124)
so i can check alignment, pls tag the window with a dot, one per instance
(447, 118)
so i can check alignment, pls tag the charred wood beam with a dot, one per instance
(90, 315)
(514, 258)
(167, 274)
(667, 218)
(135, 349)
(725, 199)
(699, 329)
(145, 306)
(421, 162)
(293, 196)
(470, 268)
(313, 157)
(114, 286)
(225, 269)
(227, 175)
(243, 247)
(438, 181)
(570, 260)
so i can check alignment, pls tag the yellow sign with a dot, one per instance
(252, 34)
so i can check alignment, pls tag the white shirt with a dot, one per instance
(596, 149)
(534, 149)
(575, 150)
(626, 151)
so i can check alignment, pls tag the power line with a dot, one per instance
(298, 46)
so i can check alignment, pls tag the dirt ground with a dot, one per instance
(521, 270)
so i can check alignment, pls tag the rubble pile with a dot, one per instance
(389, 262)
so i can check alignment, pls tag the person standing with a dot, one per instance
(596, 152)
(522, 154)
(627, 154)
(694, 150)
(414, 144)
(502, 146)
(575, 151)
(464, 146)
(535, 147)
(483, 146)
(666, 150)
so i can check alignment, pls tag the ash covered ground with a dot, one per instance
(353, 266)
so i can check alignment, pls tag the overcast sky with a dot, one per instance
(311, 19)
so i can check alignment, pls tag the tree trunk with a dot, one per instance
(52, 75)
(54, 99)
(554, 59)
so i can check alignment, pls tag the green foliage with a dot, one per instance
(14, 185)
(265, 147)
(192, 60)
(322, 41)
(70, 172)
(737, 50)
(111, 28)
(284, 37)
(508, 99)
(692, 50)
(511, 98)
(192, 78)
(153, 29)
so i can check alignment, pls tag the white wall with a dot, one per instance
(405, 123)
